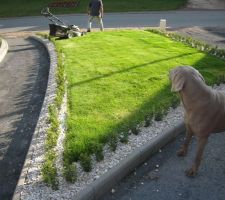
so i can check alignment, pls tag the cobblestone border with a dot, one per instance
(40, 130)
(3, 49)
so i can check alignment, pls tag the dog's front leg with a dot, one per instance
(184, 148)
(200, 149)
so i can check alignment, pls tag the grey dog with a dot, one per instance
(204, 110)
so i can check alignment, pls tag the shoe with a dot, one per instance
(89, 30)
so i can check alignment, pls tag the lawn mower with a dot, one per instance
(60, 29)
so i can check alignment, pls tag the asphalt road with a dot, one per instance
(162, 176)
(174, 19)
(23, 81)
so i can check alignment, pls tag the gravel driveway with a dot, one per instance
(23, 81)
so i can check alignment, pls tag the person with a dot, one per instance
(95, 12)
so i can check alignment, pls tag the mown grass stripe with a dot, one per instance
(117, 80)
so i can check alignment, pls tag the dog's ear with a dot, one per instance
(177, 79)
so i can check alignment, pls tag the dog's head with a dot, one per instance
(182, 74)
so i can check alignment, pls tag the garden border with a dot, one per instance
(97, 189)
(101, 186)
(48, 100)
(3, 49)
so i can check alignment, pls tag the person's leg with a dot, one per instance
(101, 23)
(89, 23)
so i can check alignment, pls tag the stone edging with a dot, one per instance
(3, 49)
(97, 189)
(42, 121)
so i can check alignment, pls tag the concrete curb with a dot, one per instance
(97, 189)
(48, 99)
(3, 49)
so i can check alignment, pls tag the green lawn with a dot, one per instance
(10, 8)
(117, 79)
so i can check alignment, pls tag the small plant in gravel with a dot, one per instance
(113, 142)
(124, 137)
(70, 172)
(53, 117)
(159, 116)
(148, 120)
(99, 152)
(49, 172)
(85, 161)
(52, 136)
(135, 130)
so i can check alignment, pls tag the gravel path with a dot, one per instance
(23, 80)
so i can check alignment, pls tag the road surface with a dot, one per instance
(23, 81)
(162, 176)
(174, 19)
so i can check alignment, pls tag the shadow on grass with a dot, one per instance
(126, 70)
(160, 102)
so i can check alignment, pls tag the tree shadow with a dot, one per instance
(126, 70)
